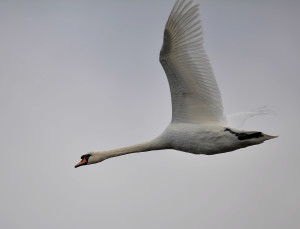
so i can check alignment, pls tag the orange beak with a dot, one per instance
(83, 162)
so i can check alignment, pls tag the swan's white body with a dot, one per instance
(198, 123)
(204, 139)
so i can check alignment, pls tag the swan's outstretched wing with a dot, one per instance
(195, 94)
(237, 120)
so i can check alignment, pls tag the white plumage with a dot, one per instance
(198, 124)
(195, 94)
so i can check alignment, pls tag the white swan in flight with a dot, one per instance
(198, 124)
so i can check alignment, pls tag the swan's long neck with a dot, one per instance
(155, 144)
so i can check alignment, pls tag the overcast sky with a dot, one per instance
(80, 76)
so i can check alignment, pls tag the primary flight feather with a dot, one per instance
(198, 123)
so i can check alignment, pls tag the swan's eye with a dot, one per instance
(86, 156)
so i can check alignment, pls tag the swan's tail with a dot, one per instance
(268, 137)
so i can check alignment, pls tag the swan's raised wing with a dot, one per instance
(194, 91)
(237, 120)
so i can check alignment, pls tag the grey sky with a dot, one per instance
(78, 76)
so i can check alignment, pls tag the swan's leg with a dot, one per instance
(245, 135)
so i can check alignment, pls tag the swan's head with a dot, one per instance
(84, 160)
(90, 158)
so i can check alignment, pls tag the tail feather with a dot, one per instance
(268, 137)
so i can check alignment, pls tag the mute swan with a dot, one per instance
(198, 124)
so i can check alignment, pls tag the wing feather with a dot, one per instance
(195, 94)
(237, 120)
